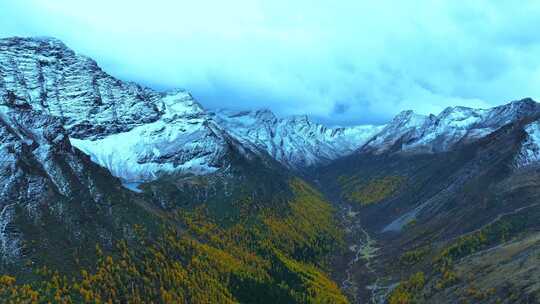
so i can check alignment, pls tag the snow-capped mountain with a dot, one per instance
(140, 134)
(183, 139)
(411, 132)
(45, 74)
(294, 141)
(67, 129)
(133, 131)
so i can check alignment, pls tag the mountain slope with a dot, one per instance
(55, 201)
(97, 109)
(183, 139)
(44, 73)
(215, 218)
(65, 207)
(430, 211)
(434, 208)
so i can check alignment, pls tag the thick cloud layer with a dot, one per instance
(344, 62)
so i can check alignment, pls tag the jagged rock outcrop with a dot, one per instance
(46, 75)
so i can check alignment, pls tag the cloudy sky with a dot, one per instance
(343, 62)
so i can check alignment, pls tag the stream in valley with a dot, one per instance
(364, 249)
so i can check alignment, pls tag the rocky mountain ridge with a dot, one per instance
(140, 134)
(295, 141)
(411, 132)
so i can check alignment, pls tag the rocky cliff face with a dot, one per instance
(46, 75)
(45, 179)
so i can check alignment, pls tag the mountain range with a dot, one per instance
(427, 208)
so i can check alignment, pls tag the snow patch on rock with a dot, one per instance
(181, 141)
(530, 149)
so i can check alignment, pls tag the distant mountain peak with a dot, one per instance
(407, 118)
(180, 102)
(523, 101)
(413, 132)
(294, 141)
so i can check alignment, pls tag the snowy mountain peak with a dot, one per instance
(412, 132)
(294, 141)
(420, 133)
(514, 110)
(524, 103)
(459, 112)
(46, 75)
(407, 115)
(140, 134)
(404, 123)
(404, 115)
(408, 119)
(179, 103)
(261, 116)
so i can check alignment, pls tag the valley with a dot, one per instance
(364, 252)
(112, 192)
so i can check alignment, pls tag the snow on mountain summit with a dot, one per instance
(140, 134)
(182, 140)
(294, 141)
(411, 132)
(179, 102)
(133, 131)
(46, 75)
